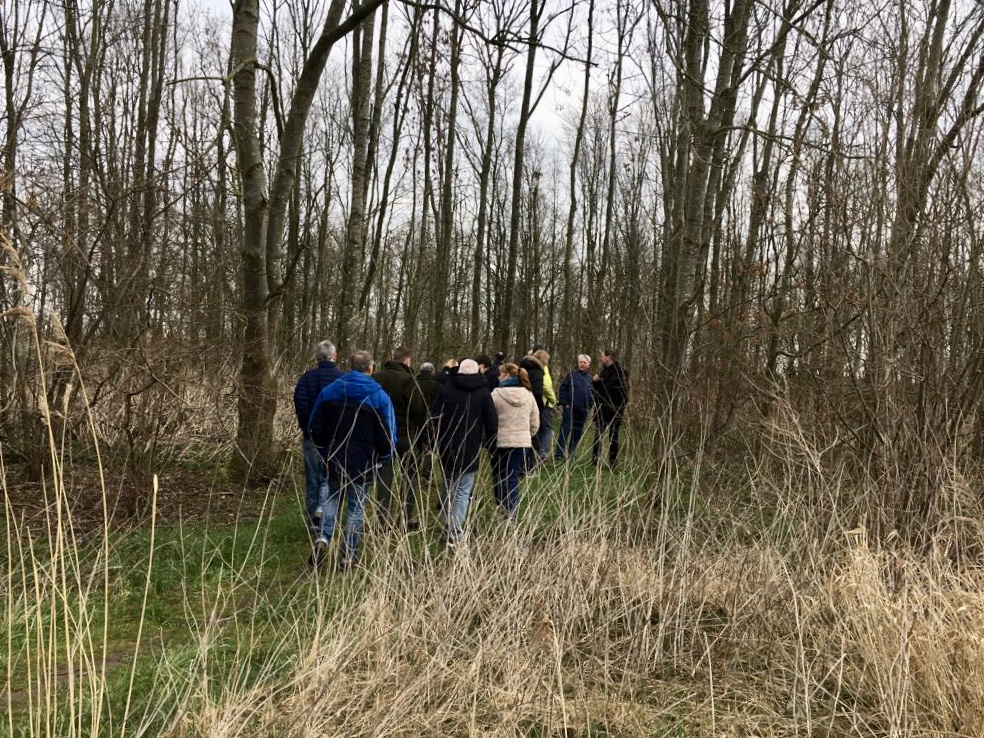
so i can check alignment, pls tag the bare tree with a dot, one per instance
(700, 126)
(263, 214)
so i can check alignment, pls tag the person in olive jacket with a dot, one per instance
(465, 418)
(611, 394)
(396, 378)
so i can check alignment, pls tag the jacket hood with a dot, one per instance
(469, 382)
(357, 386)
(514, 395)
(531, 359)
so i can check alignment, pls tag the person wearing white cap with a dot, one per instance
(465, 418)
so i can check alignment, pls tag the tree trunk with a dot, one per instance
(516, 207)
(446, 232)
(355, 233)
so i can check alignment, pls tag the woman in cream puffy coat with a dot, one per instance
(519, 420)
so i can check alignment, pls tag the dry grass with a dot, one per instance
(576, 628)
(719, 620)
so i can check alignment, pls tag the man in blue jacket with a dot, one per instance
(576, 396)
(354, 426)
(305, 393)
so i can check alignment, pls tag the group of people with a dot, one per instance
(358, 426)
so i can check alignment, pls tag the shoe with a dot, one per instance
(318, 554)
(413, 526)
(350, 565)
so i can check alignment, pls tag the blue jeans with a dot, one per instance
(314, 480)
(544, 437)
(571, 429)
(456, 508)
(508, 466)
(357, 494)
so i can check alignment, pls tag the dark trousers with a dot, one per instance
(571, 429)
(612, 423)
(385, 488)
(508, 465)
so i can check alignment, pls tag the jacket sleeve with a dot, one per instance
(302, 404)
(621, 388)
(437, 412)
(534, 418)
(416, 406)
(565, 389)
(385, 407)
(490, 422)
(536, 384)
(315, 423)
(549, 398)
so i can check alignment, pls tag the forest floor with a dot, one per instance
(184, 495)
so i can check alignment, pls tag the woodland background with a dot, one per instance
(760, 204)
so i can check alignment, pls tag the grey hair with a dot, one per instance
(361, 361)
(426, 368)
(584, 356)
(324, 351)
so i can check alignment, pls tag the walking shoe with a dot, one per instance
(349, 565)
(413, 526)
(318, 554)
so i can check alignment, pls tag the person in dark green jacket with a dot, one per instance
(396, 377)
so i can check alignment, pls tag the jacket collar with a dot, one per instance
(469, 381)
(357, 385)
(392, 364)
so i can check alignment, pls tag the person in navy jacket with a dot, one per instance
(576, 396)
(305, 393)
(354, 426)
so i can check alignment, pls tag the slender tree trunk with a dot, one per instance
(447, 196)
(355, 234)
(570, 337)
(399, 117)
(516, 207)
